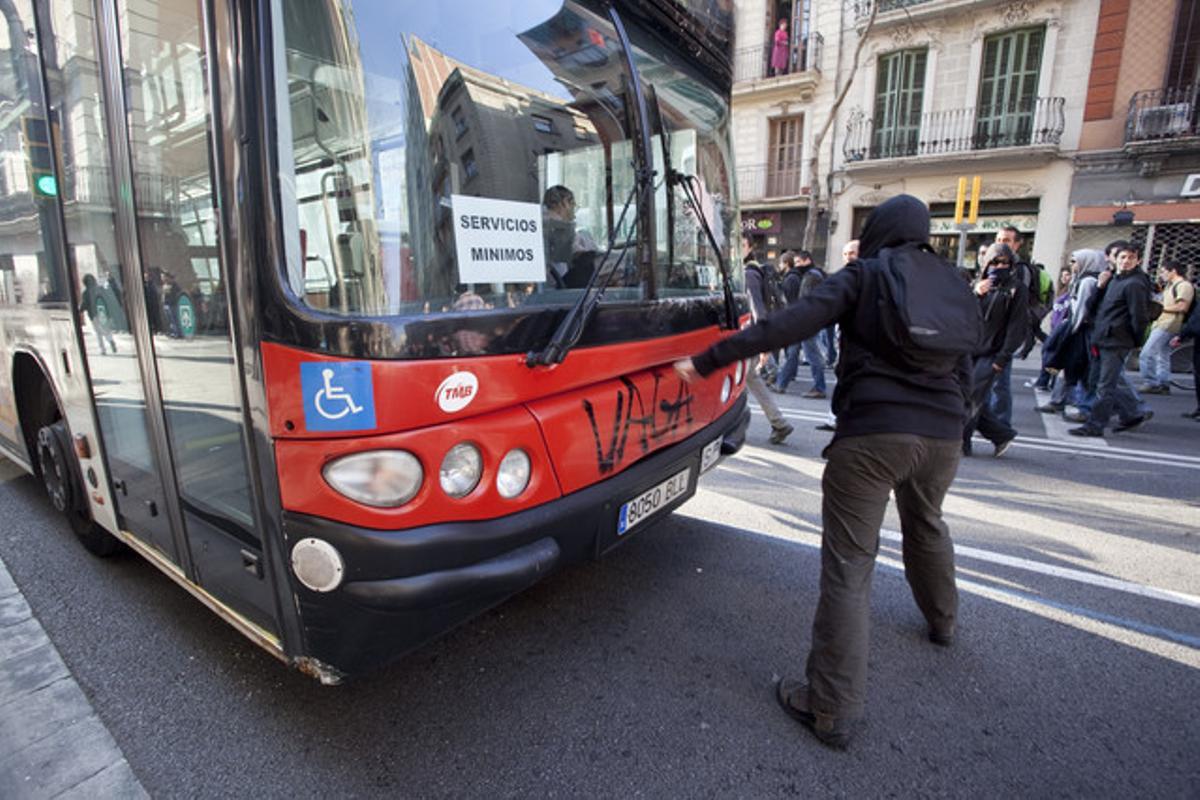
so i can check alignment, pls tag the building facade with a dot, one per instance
(952, 88)
(1137, 173)
(779, 80)
(942, 89)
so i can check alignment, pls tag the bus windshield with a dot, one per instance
(458, 157)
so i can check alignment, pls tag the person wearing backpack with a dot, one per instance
(1122, 303)
(1154, 363)
(755, 278)
(909, 325)
(801, 278)
(1002, 305)
(1191, 330)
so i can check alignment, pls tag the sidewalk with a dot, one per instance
(52, 744)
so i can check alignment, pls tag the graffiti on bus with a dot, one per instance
(659, 418)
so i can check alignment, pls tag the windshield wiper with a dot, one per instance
(570, 330)
(689, 183)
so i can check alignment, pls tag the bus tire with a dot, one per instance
(60, 477)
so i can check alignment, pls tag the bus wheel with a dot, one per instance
(60, 476)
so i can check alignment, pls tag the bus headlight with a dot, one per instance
(317, 564)
(384, 478)
(461, 470)
(739, 371)
(513, 475)
(726, 389)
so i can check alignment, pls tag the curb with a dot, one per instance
(52, 743)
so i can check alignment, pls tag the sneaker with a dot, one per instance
(1086, 430)
(1153, 388)
(776, 388)
(1051, 408)
(829, 730)
(1001, 447)
(1032, 384)
(813, 394)
(1134, 423)
(1072, 414)
(1192, 414)
(780, 433)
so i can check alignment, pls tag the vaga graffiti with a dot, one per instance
(661, 417)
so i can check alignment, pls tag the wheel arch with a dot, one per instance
(38, 400)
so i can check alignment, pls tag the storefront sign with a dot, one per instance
(498, 241)
(1191, 186)
(1026, 223)
(760, 221)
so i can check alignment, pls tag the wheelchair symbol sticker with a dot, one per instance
(338, 395)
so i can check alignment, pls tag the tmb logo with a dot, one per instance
(457, 391)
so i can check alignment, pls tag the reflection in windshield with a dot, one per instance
(444, 160)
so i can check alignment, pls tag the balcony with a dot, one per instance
(759, 183)
(895, 12)
(1161, 123)
(1022, 132)
(752, 70)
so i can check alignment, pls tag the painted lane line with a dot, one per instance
(1098, 448)
(1066, 573)
(1175, 645)
(754, 512)
(1056, 427)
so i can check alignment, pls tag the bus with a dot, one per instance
(356, 317)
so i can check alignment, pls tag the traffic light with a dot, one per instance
(40, 156)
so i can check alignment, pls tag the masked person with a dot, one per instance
(1003, 305)
(899, 426)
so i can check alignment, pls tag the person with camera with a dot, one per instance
(1003, 304)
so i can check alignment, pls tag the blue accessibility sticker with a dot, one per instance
(338, 395)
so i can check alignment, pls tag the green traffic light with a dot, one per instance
(47, 185)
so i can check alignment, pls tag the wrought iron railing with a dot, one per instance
(754, 63)
(766, 181)
(862, 8)
(1157, 114)
(1034, 121)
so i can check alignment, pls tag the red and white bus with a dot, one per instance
(356, 317)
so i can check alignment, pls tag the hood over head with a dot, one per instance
(1091, 262)
(901, 220)
(998, 250)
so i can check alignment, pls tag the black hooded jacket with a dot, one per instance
(872, 395)
(1122, 311)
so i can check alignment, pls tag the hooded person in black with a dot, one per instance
(899, 429)
(1003, 305)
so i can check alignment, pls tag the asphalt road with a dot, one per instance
(1077, 670)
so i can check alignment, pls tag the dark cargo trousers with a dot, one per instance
(860, 473)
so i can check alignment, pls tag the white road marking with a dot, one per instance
(1057, 427)
(1099, 448)
(1176, 645)
(1066, 573)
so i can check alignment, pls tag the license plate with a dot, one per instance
(645, 504)
(710, 455)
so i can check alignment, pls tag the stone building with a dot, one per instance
(943, 89)
(1137, 173)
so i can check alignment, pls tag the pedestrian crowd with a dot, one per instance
(923, 355)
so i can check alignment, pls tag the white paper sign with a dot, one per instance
(498, 241)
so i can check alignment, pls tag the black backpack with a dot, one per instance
(772, 289)
(928, 314)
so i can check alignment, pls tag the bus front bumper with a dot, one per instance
(438, 576)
